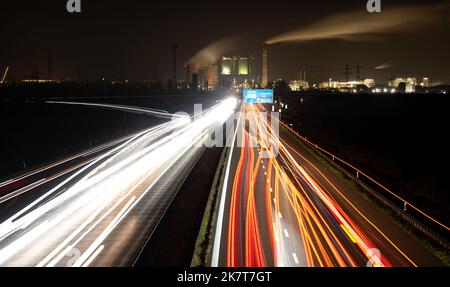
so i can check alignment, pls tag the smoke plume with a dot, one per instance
(364, 26)
(383, 66)
(211, 53)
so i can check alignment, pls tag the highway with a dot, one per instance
(281, 206)
(99, 208)
(51, 173)
(48, 176)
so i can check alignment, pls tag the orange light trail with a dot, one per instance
(323, 233)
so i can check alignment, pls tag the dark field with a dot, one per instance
(401, 140)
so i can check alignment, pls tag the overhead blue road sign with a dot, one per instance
(258, 96)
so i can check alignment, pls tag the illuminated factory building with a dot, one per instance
(299, 85)
(409, 80)
(211, 77)
(426, 83)
(350, 86)
(236, 72)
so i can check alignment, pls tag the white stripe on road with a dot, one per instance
(218, 233)
(96, 253)
(295, 258)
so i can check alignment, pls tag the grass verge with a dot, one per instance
(204, 242)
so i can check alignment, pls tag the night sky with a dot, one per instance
(132, 37)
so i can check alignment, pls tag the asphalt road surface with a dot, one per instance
(100, 207)
(281, 206)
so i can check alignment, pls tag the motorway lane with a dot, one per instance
(18, 192)
(45, 175)
(54, 191)
(250, 234)
(105, 217)
(245, 212)
(316, 218)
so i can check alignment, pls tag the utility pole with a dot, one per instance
(347, 72)
(49, 67)
(34, 73)
(79, 73)
(155, 74)
(188, 73)
(358, 75)
(174, 62)
(122, 76)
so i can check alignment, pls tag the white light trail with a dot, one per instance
(92, 202)
(4, 75)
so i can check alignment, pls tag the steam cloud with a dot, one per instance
(210, 54)
(383, 66)
(361, 25)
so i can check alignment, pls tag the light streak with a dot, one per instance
(4, 75)
(326, 231)
(91, 202)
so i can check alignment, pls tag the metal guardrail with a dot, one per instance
(357, 176)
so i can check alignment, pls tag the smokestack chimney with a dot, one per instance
(194, 82)
(265, 69)
(188, 73)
